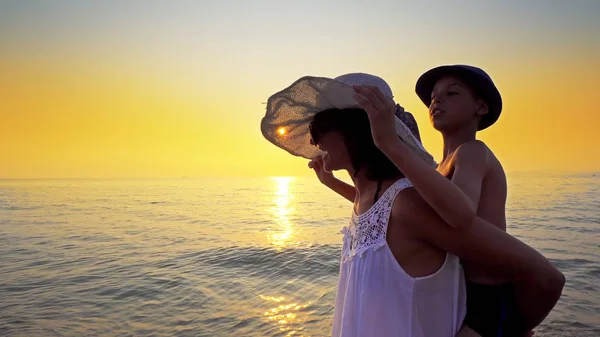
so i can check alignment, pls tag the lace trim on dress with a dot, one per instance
(369, 230)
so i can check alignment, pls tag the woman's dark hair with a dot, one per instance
(355, 128)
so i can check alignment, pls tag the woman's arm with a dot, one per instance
(345, 190)
(328, 179)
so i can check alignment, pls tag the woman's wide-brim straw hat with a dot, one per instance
(290, 111)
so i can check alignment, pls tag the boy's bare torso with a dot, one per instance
(491, 206)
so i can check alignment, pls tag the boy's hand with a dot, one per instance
(326, 178)
(381, 111)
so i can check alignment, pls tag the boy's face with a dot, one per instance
(453, 105)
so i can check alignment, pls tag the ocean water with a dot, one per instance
(234, 257)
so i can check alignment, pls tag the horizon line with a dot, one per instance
(592, 172)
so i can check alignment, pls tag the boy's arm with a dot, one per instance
(470, 167)
(453, 205)
(483, 243)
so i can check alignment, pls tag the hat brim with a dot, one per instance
(290, 111)
(483, 85)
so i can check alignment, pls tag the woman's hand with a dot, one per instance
(326, 178)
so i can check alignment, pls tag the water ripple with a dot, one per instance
(199, 258)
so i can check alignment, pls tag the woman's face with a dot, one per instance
(336, 155)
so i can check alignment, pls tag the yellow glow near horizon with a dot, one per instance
(178, 91)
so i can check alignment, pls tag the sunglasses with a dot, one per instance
(317, 130)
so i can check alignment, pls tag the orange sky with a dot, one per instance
(119, 90)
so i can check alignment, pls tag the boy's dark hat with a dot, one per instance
(477, 78)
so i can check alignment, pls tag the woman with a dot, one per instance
(400, 273)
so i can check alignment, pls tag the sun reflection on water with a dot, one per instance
(285, 314)
(281, 212)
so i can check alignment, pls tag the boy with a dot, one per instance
(462, 100)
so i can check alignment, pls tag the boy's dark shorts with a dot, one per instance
(492, 310)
